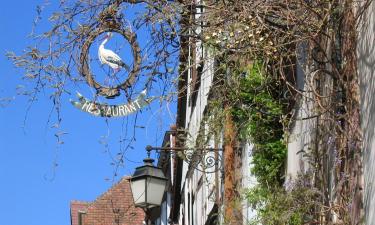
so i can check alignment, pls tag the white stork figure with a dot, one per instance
(107, 56)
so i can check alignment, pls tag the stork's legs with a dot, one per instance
(111, 77)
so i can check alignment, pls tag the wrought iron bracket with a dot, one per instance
(180, 149)
(208, 160)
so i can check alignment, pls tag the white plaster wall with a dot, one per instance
(366, 69)
(164, 211)
(300, 141)
(303, 130)
(202, 205)
(194, 119)
(248, 181)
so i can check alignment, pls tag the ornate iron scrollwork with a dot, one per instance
(207, 160)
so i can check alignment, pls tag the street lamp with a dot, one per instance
(148, 185)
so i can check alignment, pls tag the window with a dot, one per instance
(80, 217)
(195, 84)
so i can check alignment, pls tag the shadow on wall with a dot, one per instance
(366, 70)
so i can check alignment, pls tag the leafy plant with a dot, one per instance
(278, 206)
(258, 114)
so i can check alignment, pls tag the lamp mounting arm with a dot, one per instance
(207, 160)
(179, 149)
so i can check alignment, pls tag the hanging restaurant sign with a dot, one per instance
(105, 110)
(109, 22)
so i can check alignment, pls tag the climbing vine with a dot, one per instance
(258, 114)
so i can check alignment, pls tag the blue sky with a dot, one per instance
(32, 190)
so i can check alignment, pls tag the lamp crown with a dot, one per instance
(148, 161)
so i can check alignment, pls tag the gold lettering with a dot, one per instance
(132, 107)
(121, 110)
(94, 109)
(85, 106)
(136, 102)
(108, 111)
(127, 109)
(115, 111)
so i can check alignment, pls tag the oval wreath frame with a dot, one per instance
(110, 25)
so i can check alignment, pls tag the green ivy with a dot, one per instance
(281, 207)
(258, 112)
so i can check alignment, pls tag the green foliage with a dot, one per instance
(257, 114)
(278, 207)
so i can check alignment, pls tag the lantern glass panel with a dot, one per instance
(155, 191)
(138, 190)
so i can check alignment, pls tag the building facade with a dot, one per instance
(195, 195)
(200, 192)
